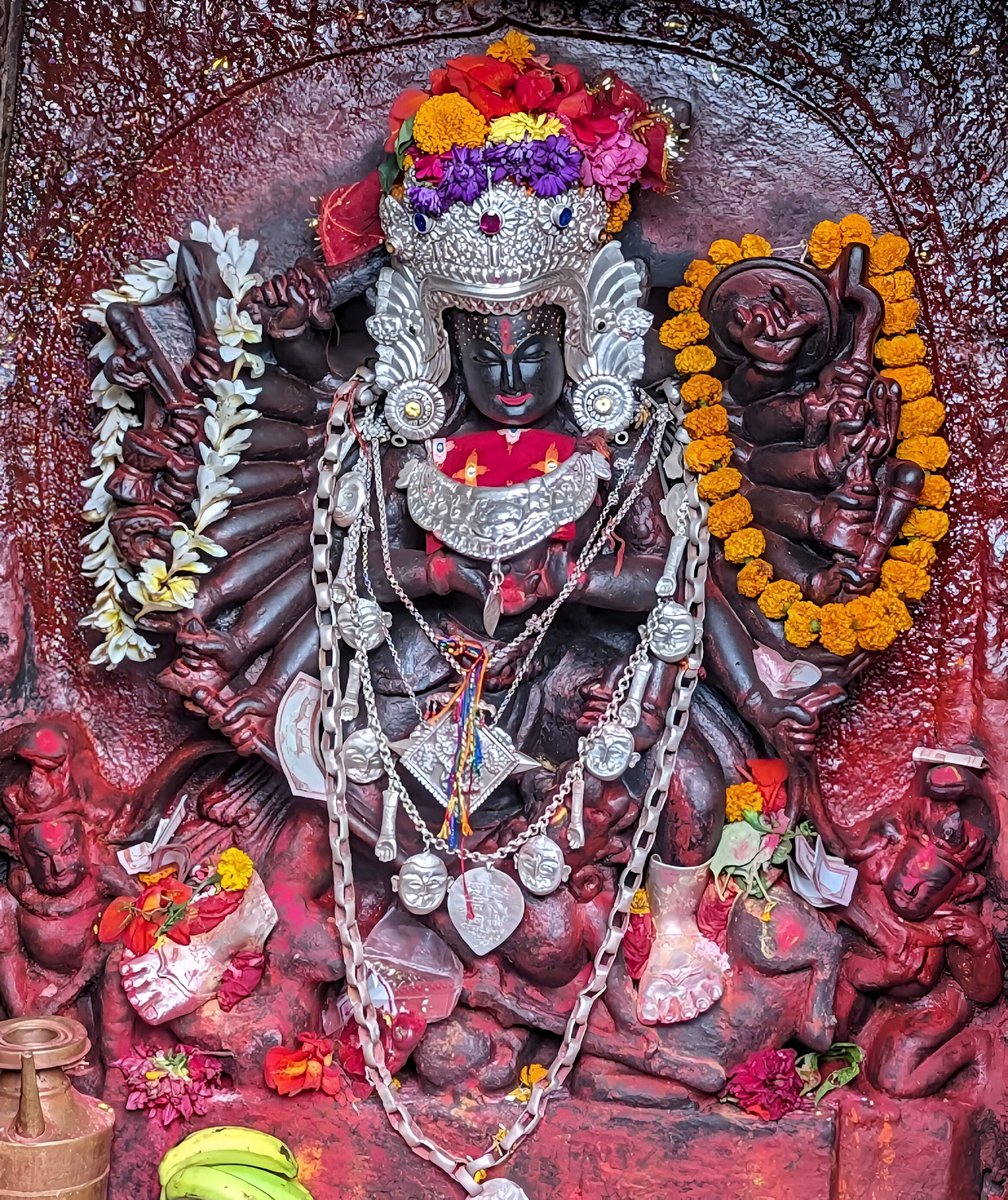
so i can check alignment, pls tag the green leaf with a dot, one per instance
(841, 1076)
(388, 173)
(404, 140)
(755, 820)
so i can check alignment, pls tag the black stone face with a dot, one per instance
(511, 367)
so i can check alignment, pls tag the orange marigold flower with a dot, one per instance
(704, 454)
(683, 330)
(914, 381)
(825, 243)
(868, 620)
(753, 577)
(856, 228)
(877, 637)
(449, 120)
(619, 213)
(723, 252)
(931, 453)
(896, 612)
(699, 273)
(741, 798)
(640, 904)
(926, 523)
(514, 48)
(921, 417)
(744, 545)
(754, 246)
(888, 254)
(900, 315)
(917, 551)
(902, 351)
(694, 358)
(801, 626)
(835, 632)
(894, 288)
(727, 516)
(905, 579)
(707, 421)
(936, 492)
(683, 299)
(720, 483)
(701, 389)
(777, 598)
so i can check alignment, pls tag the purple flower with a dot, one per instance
(427, 200)
(551, 165)
(465, 176)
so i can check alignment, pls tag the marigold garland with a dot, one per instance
(869, 622)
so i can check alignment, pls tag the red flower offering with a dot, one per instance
(767, 1084)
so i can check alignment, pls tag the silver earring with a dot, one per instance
(604, 402)
(415, 409)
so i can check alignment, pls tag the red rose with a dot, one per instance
(770, 776)
(570, 98)
(767, 1084)
(485, 82)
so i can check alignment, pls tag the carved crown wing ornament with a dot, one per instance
(786, 379)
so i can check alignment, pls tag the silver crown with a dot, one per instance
(509, 250)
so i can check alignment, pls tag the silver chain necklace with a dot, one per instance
(327, 592)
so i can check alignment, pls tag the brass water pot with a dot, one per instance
(54, 1141)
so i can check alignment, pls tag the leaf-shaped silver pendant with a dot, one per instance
(492, 611)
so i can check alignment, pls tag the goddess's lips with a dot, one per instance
(515, 401)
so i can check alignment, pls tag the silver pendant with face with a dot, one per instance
(673, 634)
(486, 907)
(610, 752)
(361, 759)
(362, 622)
(540, 865)
(349, 499)
(421, 883)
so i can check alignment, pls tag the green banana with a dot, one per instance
(272, 1186)
(223, 1144)
(209, 1183)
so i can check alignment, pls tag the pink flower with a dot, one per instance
(170, 1083)
(240, 979)
(614, 162)
(767, 1084)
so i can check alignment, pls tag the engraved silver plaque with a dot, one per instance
(486, 907)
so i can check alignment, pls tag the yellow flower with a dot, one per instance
(754, 246)
(449, 120)
(917, 551)
(753, 577)
(155, 586)
(699, 273)
(515, 126)
(719, 483)
(619, 213)
(914, 381)
(728, 516)
(529, 1076)
(825, 243)
(744, 545)
(835, 632)
(705, 454)
(921, 417)
(694, 358)
(683, 330)
(888, 254)
(900, 315)
(683, 299)
(894, 288)
(741, 798)
(701, 389)
(705, 422)
(724, 252)
(896, 612)
(801, 626)
(777, 598)
(640, 903)
(855, 228)
(868, 620)
(905, 579)
(877, 637)
(235, 869)
(926, 523)
(936, 492)
(931, 453)
(902, 351)
(514, 48)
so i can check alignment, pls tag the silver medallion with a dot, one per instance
(361, 759)
(610, 751)
(540, 865)
(503, 1189)
(486, 907)
(429, 754)
(421, 883)
(362, 622)
(673, 634)
(349, 499)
